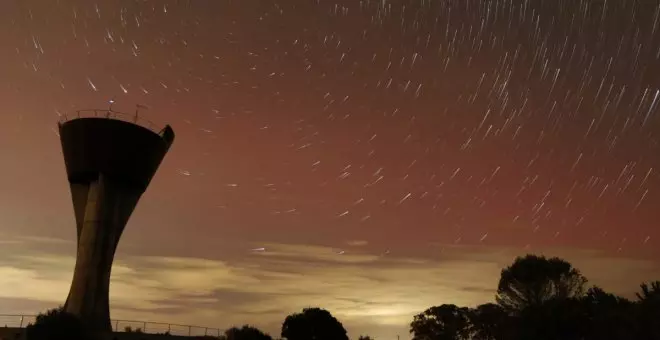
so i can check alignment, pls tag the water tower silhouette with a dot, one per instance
(109, 164)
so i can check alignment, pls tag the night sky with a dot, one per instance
(370, 157)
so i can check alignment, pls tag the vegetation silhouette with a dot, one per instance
(56, 324)
(545, 299)
(445, 322)
(245, 333)
(314, 324)
(537, 298)
(488, 322)
(648, 313)
(129, 329)
(532, 280)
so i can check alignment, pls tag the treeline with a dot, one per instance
(310, 324)
(537, 298)
(546, 299)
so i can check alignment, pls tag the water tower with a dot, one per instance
(110, 159)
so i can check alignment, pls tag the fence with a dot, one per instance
(111, 114)
(21, 321)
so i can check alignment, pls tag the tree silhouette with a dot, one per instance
(596, 296)
(489, 322)
(57, 324)
(313, 324)
(545, 299)
(532, 280)
(648, 312)
(650, 292)
(445, 322)
(611, 316)
(557, 318)
(246, 333)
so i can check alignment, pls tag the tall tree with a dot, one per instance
(533, 280)
(246, 333)
(445, 322)
(313, 324)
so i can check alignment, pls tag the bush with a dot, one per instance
(56, 324)
(129, 329)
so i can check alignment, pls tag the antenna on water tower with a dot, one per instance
(137, 109)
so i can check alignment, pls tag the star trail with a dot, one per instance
(312, 131)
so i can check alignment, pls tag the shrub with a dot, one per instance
(57, 324)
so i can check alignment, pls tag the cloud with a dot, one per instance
(10, 239)
(358, 287)
(47, 240)
(357, 243)
(315, 253)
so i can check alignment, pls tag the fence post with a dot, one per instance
(116, 325)
(169, 328)
(144, 327)
(21, 326)
(189, 330)
(206, 331)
